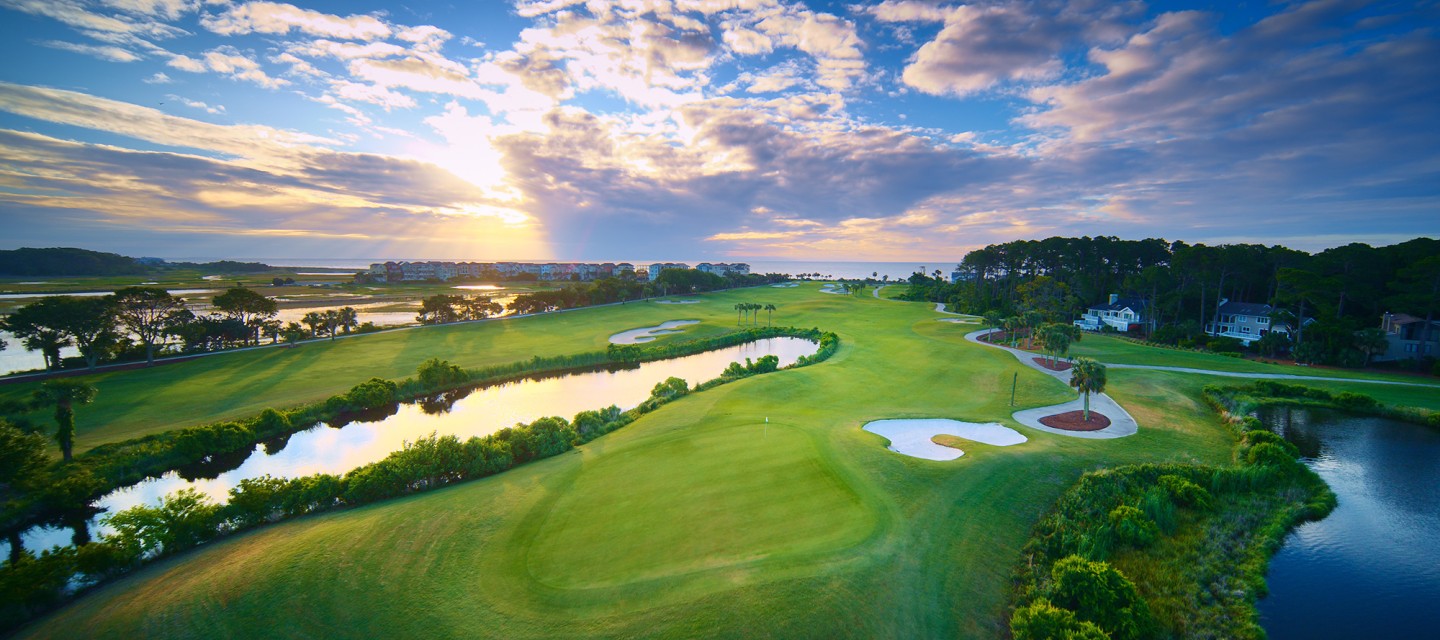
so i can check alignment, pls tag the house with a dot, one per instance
(1120, 314)
(1406, 337)
(1245, 321)
(657, 267)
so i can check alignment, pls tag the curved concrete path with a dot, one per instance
(1265, 376)
(1121, 422)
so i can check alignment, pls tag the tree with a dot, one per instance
(1273, 343)
(315, 320)
(65, 393)
(332, 322)
(1031, 320)
(1371, 341)
(1087, 376)
(769, 314)
(40, 326)
(1100, 594)
(1056, 340)
(149, 313)
(992, 319)
(21, 454)
(1041, 620)
(90, 322)
(247, 307)
(350, 318)
(1012, 324)
(292, 333)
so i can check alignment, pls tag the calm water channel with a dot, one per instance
(1372, 568)
(338, 448)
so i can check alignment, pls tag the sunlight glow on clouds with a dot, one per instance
(638, 129)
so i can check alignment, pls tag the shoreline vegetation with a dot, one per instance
(35, 584)
(1177, 550)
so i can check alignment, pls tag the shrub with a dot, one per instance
(1044, 621)
(670, 388)
(1350, 400)
(1187, 493)
(1261, 436)
(435, 373)
(1132, 526)
(373, 394)
(1100, 594)
(1268, 454)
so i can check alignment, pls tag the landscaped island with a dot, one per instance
(759, 507)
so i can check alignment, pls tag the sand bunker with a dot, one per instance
(957, 320)
(785, 285)
(677, 302)
(646, 334)
(834, 288)
(913, 437)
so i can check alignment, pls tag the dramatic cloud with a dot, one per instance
(903, 129)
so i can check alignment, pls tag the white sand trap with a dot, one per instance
(834, 288)
(646, 334)
(957, 320)
(912, 437)
(783, 285)
(677, 302)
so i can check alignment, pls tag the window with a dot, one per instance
(1264, 320)
(1409, 348)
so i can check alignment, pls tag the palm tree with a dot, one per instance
(739, 309)
(314, 320)
(755, 317)
(1087, 376)
(1032, 320)
(992, 319)
(350, 318)
(1371, 341)
(769, 314)
(1011, 325)
(332, 322)
(65, 394)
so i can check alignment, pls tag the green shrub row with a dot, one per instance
(1242, 400)
(36, 583)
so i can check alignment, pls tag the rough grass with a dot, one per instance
(696, 520)
(1114, 350)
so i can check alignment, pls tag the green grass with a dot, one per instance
(1112, 350)
(696, 520)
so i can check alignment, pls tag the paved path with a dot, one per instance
(1266, 376)
(1121, 422)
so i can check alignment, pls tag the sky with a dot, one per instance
(711, 129)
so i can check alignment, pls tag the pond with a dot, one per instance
(1371, 568)
(338, 448)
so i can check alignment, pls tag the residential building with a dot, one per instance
(1120, 314)
(657, 267)
(1406, 335)
(1244, 321)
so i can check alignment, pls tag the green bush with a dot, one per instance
(1186, 493)
(435, 373)
(1044, 621)
(1350, 400)
(1133, 527)
(1268, 454)
(1099, 593)
(373, 394)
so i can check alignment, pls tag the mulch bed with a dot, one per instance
(1075, 421)
(1059, 365)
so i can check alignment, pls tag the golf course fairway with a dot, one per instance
(755, 509)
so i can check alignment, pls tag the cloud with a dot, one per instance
(278, 19)
(103, 52)
(907, 11)
(110, 28)
(196, 104)
(985, 46)
(158, 77)
(230, 61)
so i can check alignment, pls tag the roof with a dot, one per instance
(1403, 318)
(1245, 309)
(1133, 304)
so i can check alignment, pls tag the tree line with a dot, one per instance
(1342, 291)
(137, 322)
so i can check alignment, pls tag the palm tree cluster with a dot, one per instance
(331, 321)
(1087, 376)
(748, 309)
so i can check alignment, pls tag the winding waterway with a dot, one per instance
(339, 447)
(1371, 569)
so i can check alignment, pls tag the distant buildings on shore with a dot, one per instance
(562, 271)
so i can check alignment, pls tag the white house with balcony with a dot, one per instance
(1118, 313)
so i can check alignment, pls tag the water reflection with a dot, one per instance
(1370, 567)
(361, 438)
